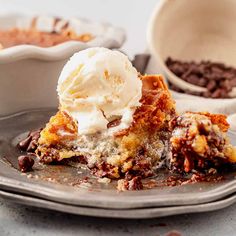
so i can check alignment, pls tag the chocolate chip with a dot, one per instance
(216, 70)
(216, 93)
(23, 145)
(202, 82)
(177, 69)
(229, 75)
(32, 146)
(30, 143)
(25, 163)
(211, 85)
(216, 77)
(225, 84)
(187, 74)
(233, 82)
(193, 79)
(35, 134)
(114, 123)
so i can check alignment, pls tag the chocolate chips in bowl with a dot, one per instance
(217, 78)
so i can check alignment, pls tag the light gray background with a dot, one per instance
(18, 220)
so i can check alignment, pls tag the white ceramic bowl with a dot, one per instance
(193, 30)
(29, 74)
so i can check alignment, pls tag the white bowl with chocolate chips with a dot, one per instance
(33, 50)
(193, 43)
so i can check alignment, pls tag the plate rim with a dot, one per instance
(144, 213)
(83, 197)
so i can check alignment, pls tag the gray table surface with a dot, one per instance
(20, 220)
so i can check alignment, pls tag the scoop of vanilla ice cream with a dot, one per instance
(98, 85)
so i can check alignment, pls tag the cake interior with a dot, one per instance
(199, 142)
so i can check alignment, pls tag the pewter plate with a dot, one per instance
(154, 212)
(65, 184)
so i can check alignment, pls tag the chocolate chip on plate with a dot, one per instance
(25, 163)
(23, 145)
(29, 144)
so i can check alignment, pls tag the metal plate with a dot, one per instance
(143, 213)
(14, 127)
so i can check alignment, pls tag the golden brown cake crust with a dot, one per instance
(50, 135)
(157, 105)
(218, 119)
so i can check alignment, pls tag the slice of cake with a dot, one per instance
(110, 118)
(122, 125)
(199, 142)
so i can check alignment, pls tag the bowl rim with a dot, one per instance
(150, 40)
(170, 76)
(113, 38)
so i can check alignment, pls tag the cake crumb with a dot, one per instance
(104, 180)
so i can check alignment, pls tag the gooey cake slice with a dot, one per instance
(199, 142)
(110, 118)
(123, 125)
